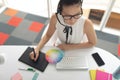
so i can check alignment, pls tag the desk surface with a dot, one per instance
(11, 65)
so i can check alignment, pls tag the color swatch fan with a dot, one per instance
(54, 55)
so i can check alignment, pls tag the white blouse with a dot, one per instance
(77, 31)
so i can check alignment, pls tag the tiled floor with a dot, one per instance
(20, 28)
(108, 42)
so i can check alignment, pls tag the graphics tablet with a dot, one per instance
(40, 64)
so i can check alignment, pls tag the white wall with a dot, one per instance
(38, 7)
(116, 7)
(0, 1)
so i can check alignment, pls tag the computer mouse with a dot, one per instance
(2, 58)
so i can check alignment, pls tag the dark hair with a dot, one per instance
(67, 3)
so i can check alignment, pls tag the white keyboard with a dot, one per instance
(73, 63)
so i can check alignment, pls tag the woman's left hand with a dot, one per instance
(62, 46)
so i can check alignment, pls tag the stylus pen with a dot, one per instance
(34, 52)
(28, 69)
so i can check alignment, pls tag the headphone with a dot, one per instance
(59, 8)
(60, 5)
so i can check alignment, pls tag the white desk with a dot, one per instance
(11, 65)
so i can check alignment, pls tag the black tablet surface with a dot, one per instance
(40, 64)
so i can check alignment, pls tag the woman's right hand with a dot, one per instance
(35, 56)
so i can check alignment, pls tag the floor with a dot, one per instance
(20, 28)
(108, 43)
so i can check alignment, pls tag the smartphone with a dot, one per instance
(98, 59)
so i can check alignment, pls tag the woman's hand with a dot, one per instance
(35, 56)
(62, 46)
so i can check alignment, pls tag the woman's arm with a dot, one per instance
(49, 33)
(91, 36)
(90, 32)
(45, 39)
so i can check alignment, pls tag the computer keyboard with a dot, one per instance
(73, 63)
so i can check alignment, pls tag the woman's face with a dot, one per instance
(71, 13)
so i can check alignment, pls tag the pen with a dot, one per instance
(28, 69)
(34, 52)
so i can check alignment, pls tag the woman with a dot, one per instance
(70, 27)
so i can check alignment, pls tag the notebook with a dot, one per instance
(72, 63)
(40, 64)
(93, 74)
(100, 75)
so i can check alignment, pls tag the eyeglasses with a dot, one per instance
(69, 17)
(76, 16)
